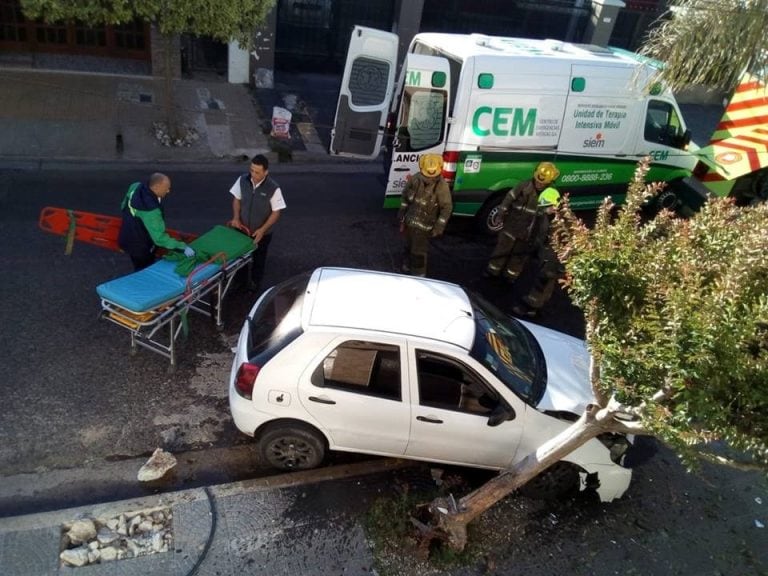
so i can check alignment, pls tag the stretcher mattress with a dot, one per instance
(161, 283)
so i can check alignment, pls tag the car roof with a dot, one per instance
(391, 303)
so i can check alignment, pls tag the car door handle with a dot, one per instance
(430, 420)
(322, 400)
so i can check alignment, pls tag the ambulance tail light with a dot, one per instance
(246, 378)
(450, 162)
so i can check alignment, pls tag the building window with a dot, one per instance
(89, 36)
(51, 34)
(12, 23)
(130, 36)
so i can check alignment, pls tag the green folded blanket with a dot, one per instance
(219, 240)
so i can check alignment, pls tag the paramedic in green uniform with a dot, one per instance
(424, 211)
(518, 210)
(143, 227)
(549, 268)
(257, 203)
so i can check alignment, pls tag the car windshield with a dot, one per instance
(508, 349)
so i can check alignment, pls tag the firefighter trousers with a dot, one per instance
(416, 251)
(508, 257)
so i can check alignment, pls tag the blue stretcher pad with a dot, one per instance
(152, 287)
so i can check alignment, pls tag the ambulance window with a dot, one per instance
(423, 118)
(662, 124)
(454, 66)
(368, 81)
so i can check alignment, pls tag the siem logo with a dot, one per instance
(596, 142)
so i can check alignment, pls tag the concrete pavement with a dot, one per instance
(57, 118)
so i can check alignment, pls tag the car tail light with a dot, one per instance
(450, 161)
(246, 378)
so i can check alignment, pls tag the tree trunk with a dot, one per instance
(449, 519)
(171, 121)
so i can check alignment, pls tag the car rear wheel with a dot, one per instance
(560, 479)
(291, 447)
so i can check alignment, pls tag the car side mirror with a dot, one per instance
(500, 414)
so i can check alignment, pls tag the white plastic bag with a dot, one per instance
(281, 123)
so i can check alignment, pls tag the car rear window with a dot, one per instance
(277, 320)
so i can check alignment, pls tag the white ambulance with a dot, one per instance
(495, 107)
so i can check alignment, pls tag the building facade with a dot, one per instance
(313, 34)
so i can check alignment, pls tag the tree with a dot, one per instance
(224, 20)
(677, 324)
(710, 42)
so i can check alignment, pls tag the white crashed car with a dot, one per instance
(379, 363)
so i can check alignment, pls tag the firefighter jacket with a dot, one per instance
(518, 209)
(426, 204)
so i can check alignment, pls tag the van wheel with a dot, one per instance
(291, 447)
(560, 479)
(489, 219)
(667, 200)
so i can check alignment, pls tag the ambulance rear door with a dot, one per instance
(365, 93)
(422, 119)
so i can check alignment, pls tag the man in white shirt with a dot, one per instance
(257, 203)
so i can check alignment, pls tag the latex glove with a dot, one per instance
(188, 252)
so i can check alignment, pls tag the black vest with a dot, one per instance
(255, 205)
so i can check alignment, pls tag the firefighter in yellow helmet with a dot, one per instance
(549, 268)
(518, 210)
(424, 211)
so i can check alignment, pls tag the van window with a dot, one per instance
(368, 81)
(422, 119)
(454, 66)
(662, 124)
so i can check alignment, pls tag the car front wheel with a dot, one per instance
(560, 479)
(291, 447)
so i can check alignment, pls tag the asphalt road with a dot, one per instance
(80, 413)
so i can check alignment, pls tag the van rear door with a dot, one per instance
(365, 93)
(422, 120)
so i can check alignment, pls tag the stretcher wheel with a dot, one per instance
(134, 350)
(171, 368)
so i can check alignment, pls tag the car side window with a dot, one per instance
(448, 384)
(369, 368)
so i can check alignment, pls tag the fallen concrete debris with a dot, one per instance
(157, 465)
(90, 541)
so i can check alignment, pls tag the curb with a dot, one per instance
(170, 499)
(299, 165)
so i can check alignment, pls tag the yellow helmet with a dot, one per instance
(546, 173)
(431, 165)
(549, 197)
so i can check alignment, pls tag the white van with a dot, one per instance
(495, 107)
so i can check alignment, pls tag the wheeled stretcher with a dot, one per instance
(152, 304)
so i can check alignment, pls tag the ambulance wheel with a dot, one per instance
(489, 219)
(667, 200)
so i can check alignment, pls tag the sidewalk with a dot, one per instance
(54, 118)
(301, 523)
